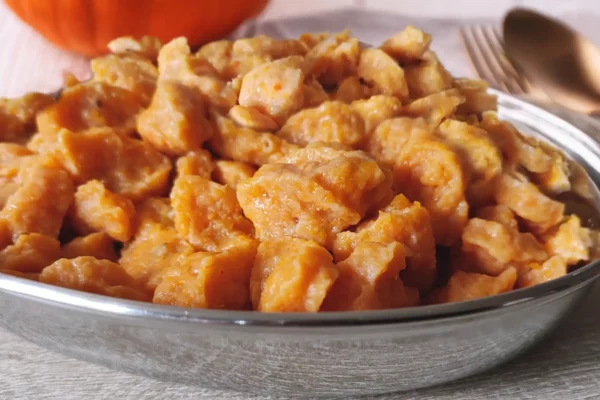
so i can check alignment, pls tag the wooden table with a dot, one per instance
(563, 367)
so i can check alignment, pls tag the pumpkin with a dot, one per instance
(87, 26)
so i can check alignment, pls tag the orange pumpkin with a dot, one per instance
(86, 26)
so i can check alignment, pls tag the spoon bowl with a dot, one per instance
(555, 58)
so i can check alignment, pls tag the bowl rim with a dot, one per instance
(69, 298)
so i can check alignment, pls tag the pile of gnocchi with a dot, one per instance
(296, 175)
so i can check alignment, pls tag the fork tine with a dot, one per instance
(492, 59)
(514, 78)
(476, 57)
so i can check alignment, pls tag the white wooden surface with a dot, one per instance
(564, 367)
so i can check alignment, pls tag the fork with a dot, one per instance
(485, 48)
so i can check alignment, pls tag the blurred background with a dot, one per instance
(29, 62)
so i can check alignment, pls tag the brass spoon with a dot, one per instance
(562, 63)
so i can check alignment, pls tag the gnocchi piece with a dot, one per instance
(464, 286)
(98, 245)
(570, 241)
(176, 120)
(435, 107)
(351, 89)
(127, 166)
(531, 204)
(18, 116)
(219, 54)
(274, 88)
(498, 213)
(517, 149)
(91, 105)
(247, 145)
(249, 117)
(91, 275)
(558, 179)
(491, 247)
(333, 59)
(407, 46)
(313, 92)
(208, 214)
(383, 73)
(153, 213)
(266, 46)
(209, 280)
(41, 201)
(146, 46)
(376, 110)
(387, 141)
(176, 63)
(321, 191)
(197, 162)
(427, 77)
(331, 122)
(31, 253)
(477, 98)
(475, 147)
(97, 209)
(428, 171)
(369, 280)
(291, 275)
(11, 152)
(553, 268)
(152, 251)
(404, 222)
(232, 173)
(131, 72)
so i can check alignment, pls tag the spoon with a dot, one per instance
(555, 58)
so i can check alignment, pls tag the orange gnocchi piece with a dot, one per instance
(91, 105)
(197, 162)
(176, 63)
(404, 222)
(209, 280)
(97, 209)
(291, 275)
(531, 204)
(91, 275)
(570, 241)
(464, 286)
(331, 122)
(274, 88)
(232, 173)
(176, 120)
(18, 116)
(351, 89)
(249, 117)
(435, 107)
(131, 72)
(553, 268)
(387, 141)
(247, 145)
(474, 146)
(428, 171)
(208, 214)
(427, 77)
(41, 201)
(408, 45)
(369, 280)
(151, 253)
(31, 253)
(477, 98)
(333, 59)
(98, 245)
(376, 110)
(383, 73)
